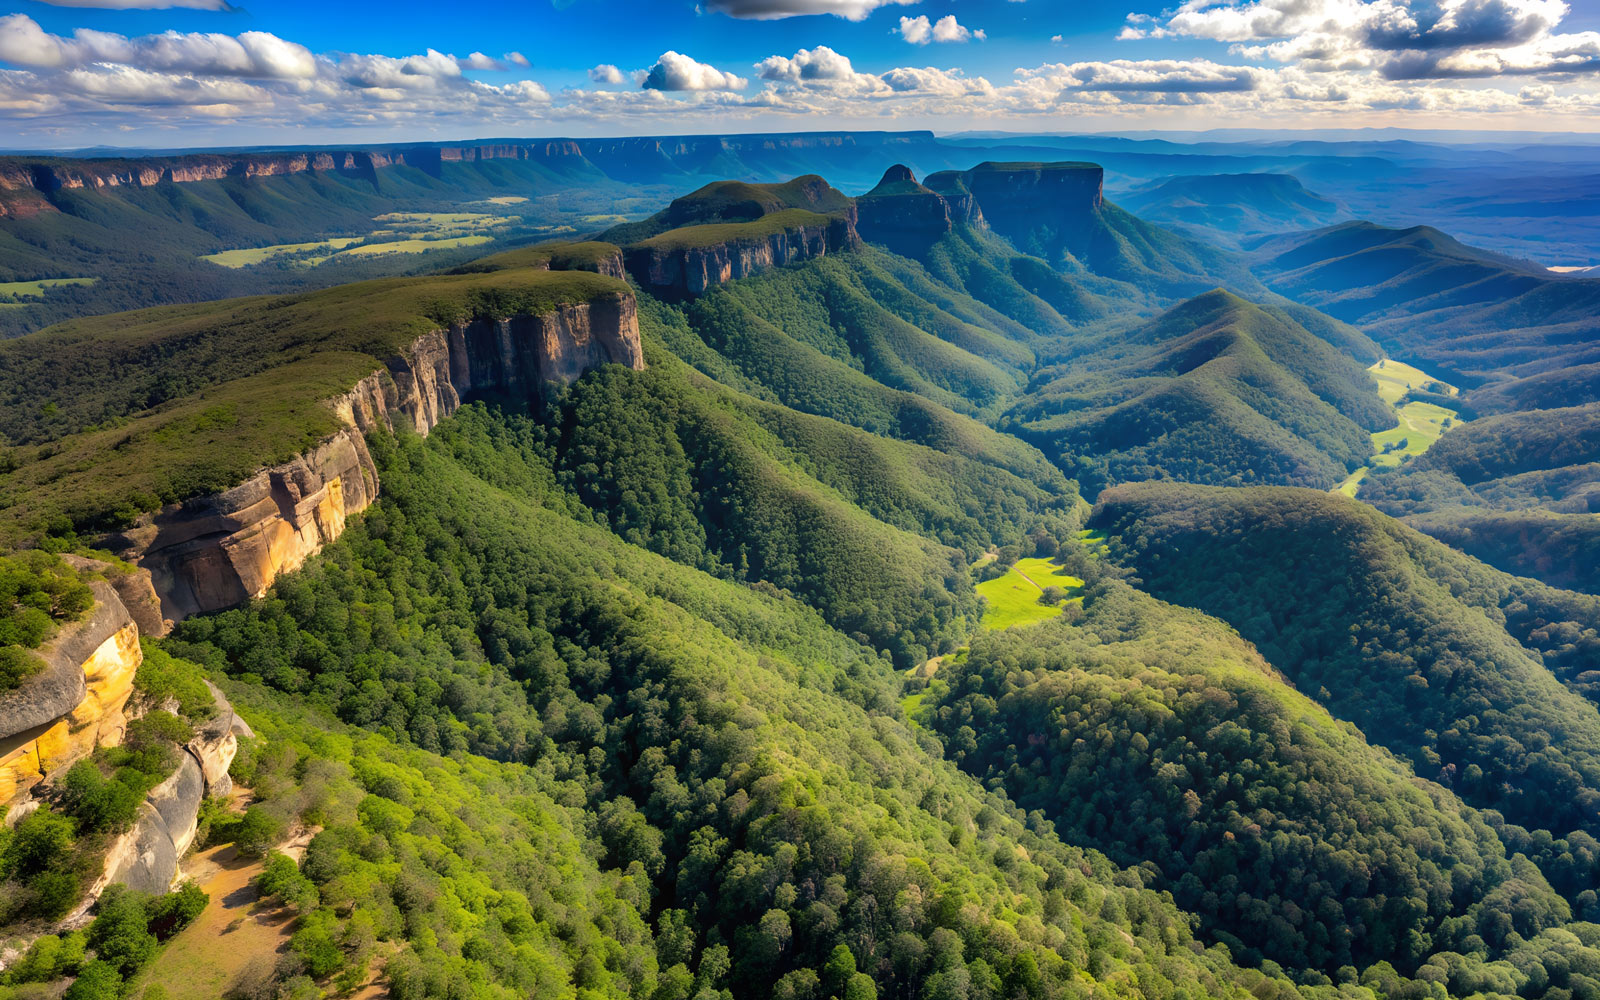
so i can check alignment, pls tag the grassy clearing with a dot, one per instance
(1013, 599)
(1396, 378)
(506, 199)
(697, 236)
(414, 246)
(258, 255)
(1420, 423)
(208, 956)
(1094, 541)
(36, 289)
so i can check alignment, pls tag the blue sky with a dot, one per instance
(76, 72)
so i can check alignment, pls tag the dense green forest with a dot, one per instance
(678, 683)
(757, 801)
(1448, 663)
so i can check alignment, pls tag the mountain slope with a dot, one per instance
(1392, 631)
(1156, 734)
(1227, 207)
(1469, 313)
(1216, 390)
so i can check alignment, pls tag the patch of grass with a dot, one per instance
(692, 237)
(414, 246)
(36, 289)
(257, 255)
(1396, 378)
(506, 199)
(1420, 425)
(1013, 599)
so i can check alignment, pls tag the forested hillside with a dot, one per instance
(718, 611)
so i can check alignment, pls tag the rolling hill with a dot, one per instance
(1228, 208)
(1217, 390)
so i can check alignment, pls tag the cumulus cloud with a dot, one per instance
(253, 53)
(920, 31)
(605, 73)
(516, 59)
(1401, 39)
(768, 10)
(677, 72)
(807, 65)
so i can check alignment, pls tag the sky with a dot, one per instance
(182, 73)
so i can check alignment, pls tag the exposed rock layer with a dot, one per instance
(76, 703)
(219, 551)
(692, 270)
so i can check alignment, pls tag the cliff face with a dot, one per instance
(76, 703)
(901, 214)
(218, 551)
(22, 177)
(1019, 200)
(679, 271)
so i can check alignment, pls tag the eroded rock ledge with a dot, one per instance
(76, 703)
(218, 551)
(684, 269)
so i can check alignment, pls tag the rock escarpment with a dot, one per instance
(218, 551)
(76, 703)
(1027, 202)
(689, 261)
(901, 214)
(1034, 205)
(146, 857)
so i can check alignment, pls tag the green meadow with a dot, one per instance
(36, 289)
(1420, 425)
(1013, 599)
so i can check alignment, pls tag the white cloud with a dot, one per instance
(675, 72)
(605, 73)
(768, 10)
(1401, 39)
(818, 64)
(516, 59)
(478, 60)
(920, 31)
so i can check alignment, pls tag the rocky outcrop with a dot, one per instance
(47, 175)
(901, 214)
(76, 703)
(219, 551)
(676, 264)
(951, 185)
(146, 857)
(1019, 200)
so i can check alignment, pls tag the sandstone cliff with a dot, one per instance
(146, 857)
(689, 261)
(218, 551)
(1020, 201)
(27, 182)
(901, 214)
(76, 703)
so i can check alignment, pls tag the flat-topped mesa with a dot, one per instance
(218, 551)
(951, 185)
(75, 704)
(901, 214)
(1020, 199)
(690, 260)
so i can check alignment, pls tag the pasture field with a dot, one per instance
(1013, 599)
(1396, 378)
(36, 289)
(414, 246)
(1420, 423)
(258, 255)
